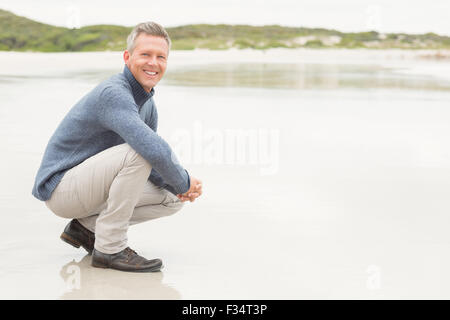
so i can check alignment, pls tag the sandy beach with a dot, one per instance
(336, 190)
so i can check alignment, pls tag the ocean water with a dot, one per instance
(326, 175)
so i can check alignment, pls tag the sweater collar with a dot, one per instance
(139, 94)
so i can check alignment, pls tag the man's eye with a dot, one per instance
(161, 57)
(145, 54)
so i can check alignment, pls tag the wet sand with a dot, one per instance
(356, 209)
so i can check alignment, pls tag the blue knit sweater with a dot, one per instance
(118, 110)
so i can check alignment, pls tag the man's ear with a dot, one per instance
(126, 56)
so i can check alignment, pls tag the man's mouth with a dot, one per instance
(151, 73)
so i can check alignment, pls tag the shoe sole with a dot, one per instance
(73, 242)
(153, 269)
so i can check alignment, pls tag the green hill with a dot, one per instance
(22, 34)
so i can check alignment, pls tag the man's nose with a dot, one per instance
(151, 61)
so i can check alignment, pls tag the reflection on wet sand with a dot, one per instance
(86, 282)
(302, 76)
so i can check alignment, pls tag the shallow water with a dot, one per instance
(337, 188)
(303, 76)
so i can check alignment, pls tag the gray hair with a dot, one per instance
(150, 28)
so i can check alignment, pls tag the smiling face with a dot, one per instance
(148, 60)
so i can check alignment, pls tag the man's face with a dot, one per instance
(148, 62)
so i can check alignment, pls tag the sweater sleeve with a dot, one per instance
(153, 123)
(155, 177)
(157, 180)
(119, 113)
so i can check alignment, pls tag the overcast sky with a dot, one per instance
(413, 16)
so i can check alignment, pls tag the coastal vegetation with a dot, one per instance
(23, 34)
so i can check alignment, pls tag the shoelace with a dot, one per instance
(130, 251)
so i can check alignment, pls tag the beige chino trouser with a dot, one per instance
(109, 192)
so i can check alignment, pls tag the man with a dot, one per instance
(107, 168)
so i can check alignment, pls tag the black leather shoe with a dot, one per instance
(125, 260)
(77, 235)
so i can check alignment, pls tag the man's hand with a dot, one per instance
(194, 191)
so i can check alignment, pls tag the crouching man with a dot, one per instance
(106, 168)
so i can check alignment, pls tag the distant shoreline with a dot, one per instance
(337, 53)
